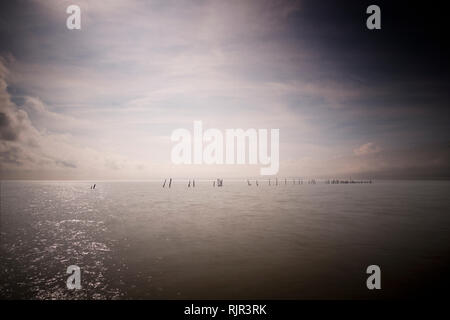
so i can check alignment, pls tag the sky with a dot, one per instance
(103, 101)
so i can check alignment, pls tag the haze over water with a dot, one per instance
(138, 240)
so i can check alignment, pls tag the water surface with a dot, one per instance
(138, 240)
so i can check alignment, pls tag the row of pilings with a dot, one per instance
(272, 182)
(217, 182)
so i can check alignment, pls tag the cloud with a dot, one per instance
(29, 152)
(14, 123)
(367, 148)
(102, 101)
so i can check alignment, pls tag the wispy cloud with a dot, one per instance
(367, 148)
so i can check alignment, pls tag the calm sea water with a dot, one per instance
(138, 240)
